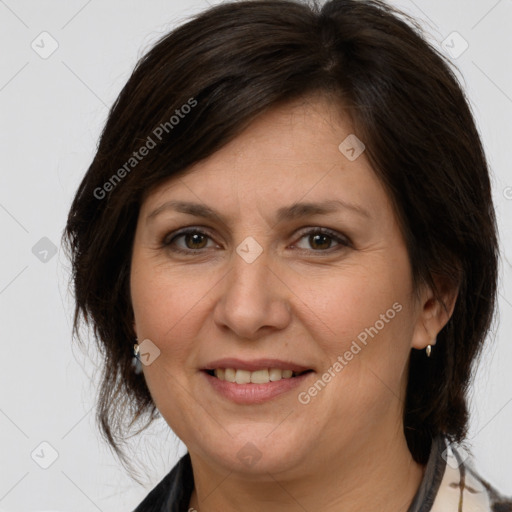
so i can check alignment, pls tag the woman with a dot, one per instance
(289, 221)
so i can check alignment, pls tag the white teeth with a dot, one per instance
(275, 374)
(229, 374)
(257, 377)
(243, 377)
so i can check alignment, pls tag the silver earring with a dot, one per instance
(428, 350)
(136, 364)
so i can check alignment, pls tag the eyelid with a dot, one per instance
(185, 230)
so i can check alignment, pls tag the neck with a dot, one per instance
(369, 475)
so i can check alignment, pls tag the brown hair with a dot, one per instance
(229, 64)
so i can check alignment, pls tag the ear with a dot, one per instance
(431, 314)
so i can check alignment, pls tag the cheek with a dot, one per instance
(163, 299)
(365, 348)
(355, 301)
(166, 305)
(364, 318)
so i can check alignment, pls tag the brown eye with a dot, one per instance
(321, 240)
(188, 241)
(195, 240)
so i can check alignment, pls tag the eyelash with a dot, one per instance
(167, 242)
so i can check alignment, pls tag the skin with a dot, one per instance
(303, 299)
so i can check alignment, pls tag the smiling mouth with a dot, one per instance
(264, 376)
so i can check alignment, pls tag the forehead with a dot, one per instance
(289, 153)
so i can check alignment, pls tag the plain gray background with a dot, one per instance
(52, 112)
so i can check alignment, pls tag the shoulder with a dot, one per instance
(173, 492)
(462, 488)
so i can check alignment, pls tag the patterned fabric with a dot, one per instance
(462, 489)
(450, 484)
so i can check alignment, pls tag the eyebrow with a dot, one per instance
(286, 213)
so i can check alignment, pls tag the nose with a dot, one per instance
(253, 300)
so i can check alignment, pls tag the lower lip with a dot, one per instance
(254, 393)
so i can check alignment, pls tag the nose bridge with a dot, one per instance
(252, 297)
(249, 274)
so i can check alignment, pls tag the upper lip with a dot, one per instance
(255, 364)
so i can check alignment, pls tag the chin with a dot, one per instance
(259, 453)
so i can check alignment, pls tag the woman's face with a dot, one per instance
(294, 261)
